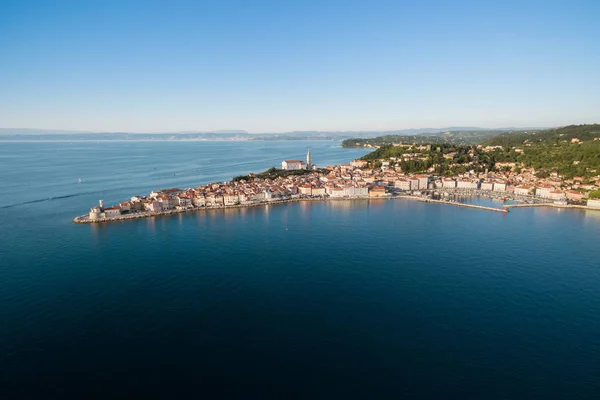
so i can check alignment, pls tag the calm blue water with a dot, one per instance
(380, 299)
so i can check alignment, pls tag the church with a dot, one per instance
(299, 164)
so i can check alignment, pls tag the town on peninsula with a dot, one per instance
(558, 168)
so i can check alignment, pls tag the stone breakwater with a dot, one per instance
(454, 203)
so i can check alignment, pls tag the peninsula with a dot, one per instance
(428, 172)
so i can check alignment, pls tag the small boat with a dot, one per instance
(79, 180)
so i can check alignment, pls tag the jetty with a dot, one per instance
(455, 203)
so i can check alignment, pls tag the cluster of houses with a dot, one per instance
(351, 180)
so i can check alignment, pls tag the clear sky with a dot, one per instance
(277, 65)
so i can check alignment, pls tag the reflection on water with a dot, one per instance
(592, 215)
(347, 205)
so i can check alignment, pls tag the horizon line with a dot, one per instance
(243, 131)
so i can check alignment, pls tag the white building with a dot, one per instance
(544, 191)
(593, 203)
(318, 191)
(112, 211)
(523, 190)
(231, 199)
(184, 201)
(423, 181)
(166, 204)
(449, 183)
(487, 185)
(95, 213)
(402, 184)
(218, 200)
(305, 189)
(499, 186)
(199, 201)
(336, 192)
(293, 164)
(154, 206)
(348, 190)
(414, 183)
(466, 184)
(361, 191)
(556, 195)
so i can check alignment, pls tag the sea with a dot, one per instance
(344, 299)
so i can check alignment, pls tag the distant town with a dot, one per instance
(299, 180)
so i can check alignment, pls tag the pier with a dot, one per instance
(454, 203)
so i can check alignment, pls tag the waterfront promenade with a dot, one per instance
(84, 219)
(524, 201)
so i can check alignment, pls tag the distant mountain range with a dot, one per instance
(28, 131)
(49, 134)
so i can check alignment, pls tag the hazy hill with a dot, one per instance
(460, 137)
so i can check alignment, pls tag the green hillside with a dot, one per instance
(566, 133)
(550, 150)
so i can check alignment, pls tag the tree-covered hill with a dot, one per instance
(546, 151)
(566, 158)
(582, 132)
(442, 159)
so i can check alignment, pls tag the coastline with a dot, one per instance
(84, 219)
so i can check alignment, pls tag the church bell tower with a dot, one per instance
(308, 163)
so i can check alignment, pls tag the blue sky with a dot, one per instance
(273, 66)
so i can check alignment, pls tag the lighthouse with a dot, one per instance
(308, 164)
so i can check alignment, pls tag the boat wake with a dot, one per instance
(53, 198)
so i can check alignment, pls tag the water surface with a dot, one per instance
(371, 299)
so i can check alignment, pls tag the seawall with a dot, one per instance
(84, 219)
